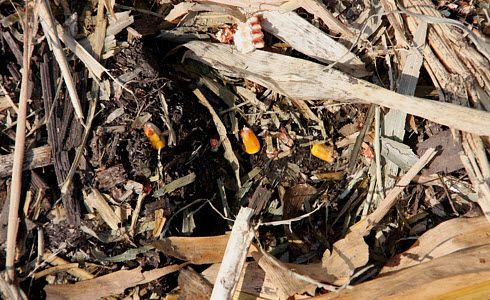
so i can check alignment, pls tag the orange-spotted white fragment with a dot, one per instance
(251, 144)
(154, 136)
(367, 152)
(225, 34)
(323, 152)
(249, 35)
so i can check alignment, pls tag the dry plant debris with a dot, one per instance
(251, 148)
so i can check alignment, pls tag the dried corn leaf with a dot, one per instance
(107, 285)
(197, 250)
(347, 255)
(460, 275)
(54, 260)
(295, 198)
(227, 96)
(90, 62)
(311, 41)
(178, 11)
(448, 159)
(273, 279)
(193, 286)
(298, 78)
(448, 237)
(184, 8)
(250, 4)
(282, 278)
(250, 96)
(365, 225)
(130, 254)
(176, 184)
(253, 282)
(319, 10)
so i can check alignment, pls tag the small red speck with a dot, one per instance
(225, 34)
(147, 188)
(367, 152)
(214, 142)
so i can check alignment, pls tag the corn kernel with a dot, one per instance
(154, 136)
(322, 152)
(251, 144)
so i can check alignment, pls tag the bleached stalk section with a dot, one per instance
(305, 80)
(311, 41)
(235, 255)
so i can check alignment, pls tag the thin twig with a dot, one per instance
(365, 225)
(16, 186)
(100, 31)
(377, 150)
(289, 221)
(54, 42)
(167, 224)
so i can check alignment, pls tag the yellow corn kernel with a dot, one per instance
(251, 144)
(154, 136)
(322, 152)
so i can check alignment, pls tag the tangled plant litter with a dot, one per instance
(328, 218)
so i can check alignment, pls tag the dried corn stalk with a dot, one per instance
(305, 80)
